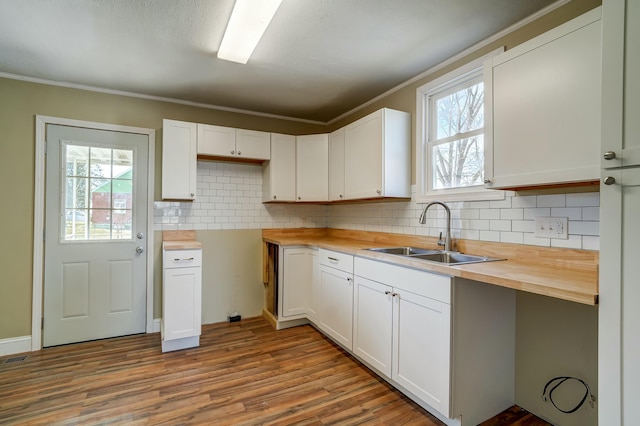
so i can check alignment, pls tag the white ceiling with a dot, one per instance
(317, 60)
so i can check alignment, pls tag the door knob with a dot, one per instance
(609, 180)
(140, 235)
(139, 249)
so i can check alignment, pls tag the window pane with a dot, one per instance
(460, 112)
(101, 162)
(122, 158)
(98, 193)
(100, 224)
(76, 192)
(77, 160)
(122, 220)
(459, 163)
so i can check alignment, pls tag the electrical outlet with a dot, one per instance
(552, 227)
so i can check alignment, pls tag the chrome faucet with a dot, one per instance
(447, 237)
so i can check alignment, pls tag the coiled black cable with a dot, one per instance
(555, 383)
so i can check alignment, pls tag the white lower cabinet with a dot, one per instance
(447, 343)
(298, 267)
(405, 334)
(336, 296)
(181, 299)
(438, 339)
(422, 348)
(373, 323)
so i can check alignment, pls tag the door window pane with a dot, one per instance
(98, 197)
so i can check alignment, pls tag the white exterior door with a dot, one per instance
(95, 246)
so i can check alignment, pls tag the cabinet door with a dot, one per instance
(363, 161)
(216, 141)
(336, 305)
(336, 165)
(618, 315)
(279, 173)
(179, 161)
(372, 323)
(312, 168)
(543, 101)
(253, 145)
(422, 348)
(314, 296)
(621, 85)
(296, 281)
(181, 303)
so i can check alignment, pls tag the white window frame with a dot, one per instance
(424, 193)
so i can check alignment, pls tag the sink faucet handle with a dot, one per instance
(441, 242)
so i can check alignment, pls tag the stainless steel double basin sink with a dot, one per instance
(441, 257)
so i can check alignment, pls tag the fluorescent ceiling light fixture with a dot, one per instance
(248, 22)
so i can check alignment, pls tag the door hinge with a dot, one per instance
(44, 235)
(42, 324)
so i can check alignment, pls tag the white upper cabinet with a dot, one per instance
(179, 140)
(543, 107)
(336, 165)
(620, 84)
(377, 156)
(312, 168)
(279, 173)
(253, 144)
(239, 144)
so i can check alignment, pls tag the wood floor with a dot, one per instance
(242, 374)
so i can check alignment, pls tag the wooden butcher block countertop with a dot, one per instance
(561, 273)
(180, 240)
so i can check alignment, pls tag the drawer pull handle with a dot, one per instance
(186, 259)
(333, 259)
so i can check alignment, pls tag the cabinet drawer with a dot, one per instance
(423, 283)
(182, 258)
(335, 259)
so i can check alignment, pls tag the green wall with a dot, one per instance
(20, 102)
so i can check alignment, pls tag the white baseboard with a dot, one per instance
(156, 325)
(15, 345)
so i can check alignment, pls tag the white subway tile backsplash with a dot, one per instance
(531, 239)
(523, 201)
(556, 200)
(586, 199)
(512, 214)
(500, 225)
(591, 213)
(574, 242)
(584, 228)
(532, 213)
(573, 213)
(490, 236)
(523, 226)
(229, 196)
(511, 237)
(489, 213)
(590, 242)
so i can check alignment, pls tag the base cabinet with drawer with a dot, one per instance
(181, 299)
(405, 334)
(436, 338)
(336, 296)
